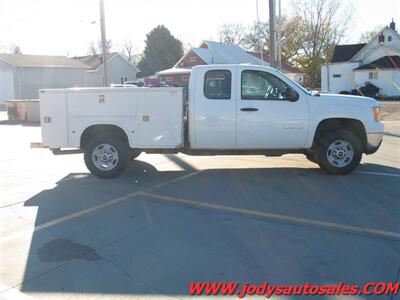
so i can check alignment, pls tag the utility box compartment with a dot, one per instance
(150, 117)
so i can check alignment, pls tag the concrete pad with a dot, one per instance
(165, 245)
(106, 226)
(16, 189)
(173, 253)
(62, 201)
(81, 278)
(19, 259)
(204, 246)
(11, 222)
(355, 199)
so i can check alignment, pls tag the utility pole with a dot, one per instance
(272, 42)
(279, 35)
(103, 42)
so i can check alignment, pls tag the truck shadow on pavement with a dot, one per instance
(107, 237)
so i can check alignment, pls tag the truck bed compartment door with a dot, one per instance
(160, 119)
(215, 109)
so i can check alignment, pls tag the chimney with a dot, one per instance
(393, 25)
(381, 38)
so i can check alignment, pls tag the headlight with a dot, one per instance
(376, 110)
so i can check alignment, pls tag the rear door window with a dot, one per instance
(218, 84)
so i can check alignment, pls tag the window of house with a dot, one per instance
(389, 38)
(337, 75)
(124, 79)
(373, 75)
(258, 85)
(217, 84)
(185, 78)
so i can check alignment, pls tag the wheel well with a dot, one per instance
(94, 130)
(355, 126)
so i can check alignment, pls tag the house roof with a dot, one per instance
(343, 53)
(95, 61)
(228, 54)
(285, 66)
(386, 62)
(23, 60)
(204, 54)
(220, 53)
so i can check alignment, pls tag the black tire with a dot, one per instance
(133, 153)
(118, 165)
(310, 156)
(323, 152)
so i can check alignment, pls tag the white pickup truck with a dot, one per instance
(228, 109)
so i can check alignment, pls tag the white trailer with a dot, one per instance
(228, 109)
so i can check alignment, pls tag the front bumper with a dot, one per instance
(374, 140)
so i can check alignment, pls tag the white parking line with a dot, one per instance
(77, 214)
(279, 217)
(378, 173)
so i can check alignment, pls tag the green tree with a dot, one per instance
(161, 52)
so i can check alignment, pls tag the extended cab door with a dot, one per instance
(214, 115)
(266, 118)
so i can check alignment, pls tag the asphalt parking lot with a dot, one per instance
(173, 219)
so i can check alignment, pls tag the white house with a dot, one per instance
(119, 69)
(21, 76)
(377, 62)
(211, 52)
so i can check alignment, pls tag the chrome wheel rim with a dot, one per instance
(340, 153)
(105, 157)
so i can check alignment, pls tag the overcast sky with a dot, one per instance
(65, 27)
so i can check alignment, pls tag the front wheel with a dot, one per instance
(106, 156)
(338, 152)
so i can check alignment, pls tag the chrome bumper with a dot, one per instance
(374, 140)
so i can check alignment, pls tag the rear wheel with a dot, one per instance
(106, 156)
(338, 152)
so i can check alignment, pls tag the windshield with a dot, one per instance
(308, 92)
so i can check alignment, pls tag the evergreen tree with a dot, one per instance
(161, 52)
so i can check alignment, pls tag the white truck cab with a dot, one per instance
(227, 109)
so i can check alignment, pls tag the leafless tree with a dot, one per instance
(232, 33)
(127, 48)
(308, 37)
(15, 49)
(96, 49)
(258, 37)
(367, 36)
(323, 25)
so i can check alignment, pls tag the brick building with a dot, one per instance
(211, 52)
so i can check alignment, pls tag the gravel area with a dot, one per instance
(390, 110)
